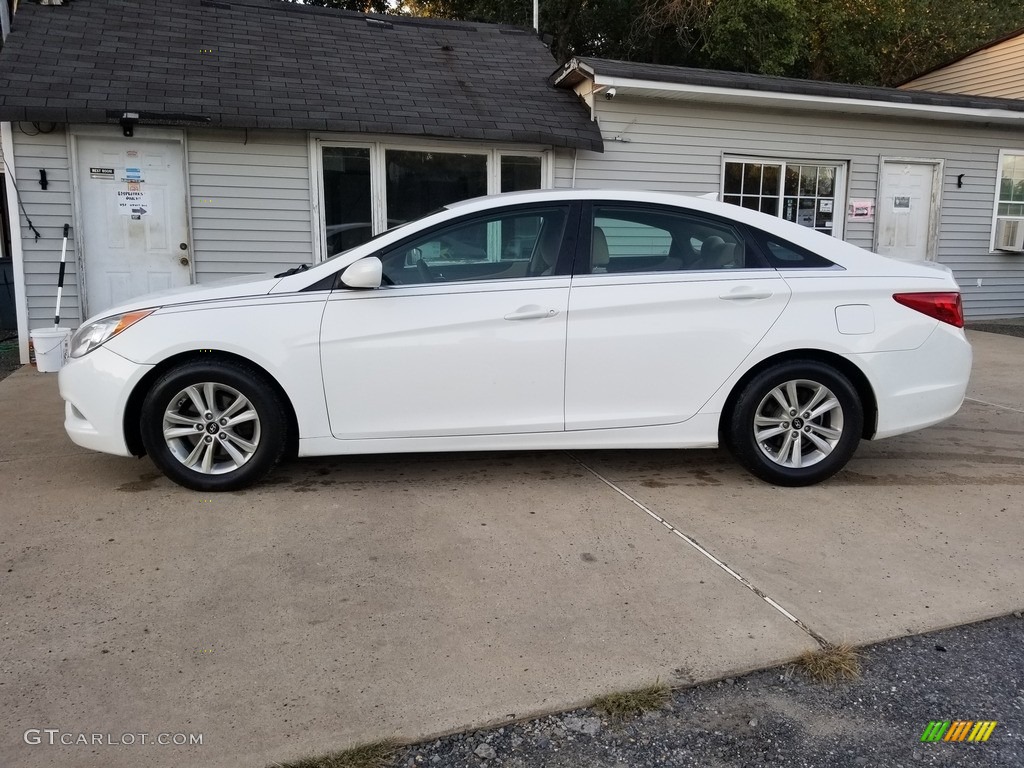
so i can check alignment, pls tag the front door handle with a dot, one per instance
(746, 293)
(531, 312)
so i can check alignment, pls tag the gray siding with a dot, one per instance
(250, 202)
(994, 71)
(49, 211)
(678, 147)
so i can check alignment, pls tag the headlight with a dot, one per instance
(93, 335)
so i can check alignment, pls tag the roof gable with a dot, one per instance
(994, 69)
(270, 64)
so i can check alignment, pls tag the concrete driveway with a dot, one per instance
(404, 596)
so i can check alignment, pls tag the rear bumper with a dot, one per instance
(95, 389)
(920, 387)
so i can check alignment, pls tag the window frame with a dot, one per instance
(839, 185)
(584, 245)
(378, 147)
(1003, 153)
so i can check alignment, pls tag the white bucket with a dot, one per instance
(52, 346)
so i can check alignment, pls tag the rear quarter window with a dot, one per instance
(782, 254)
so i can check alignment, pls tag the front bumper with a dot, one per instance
(95, 389)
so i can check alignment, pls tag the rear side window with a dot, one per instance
(782, 254)
(654, 239)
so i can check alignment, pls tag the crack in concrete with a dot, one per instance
(821, 641)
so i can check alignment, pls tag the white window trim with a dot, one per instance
(995, 201)
(842, 175)
(378, 146)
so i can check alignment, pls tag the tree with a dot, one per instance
(879, 42)
(764, 36)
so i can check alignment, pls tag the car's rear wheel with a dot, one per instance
(796, 423)
(213, 425)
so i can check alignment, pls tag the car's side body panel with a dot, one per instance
(649, 349)
(446, 359)
(280, 334)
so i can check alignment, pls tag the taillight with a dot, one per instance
(946, 307)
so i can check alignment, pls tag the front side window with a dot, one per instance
(655, 240)
(508, 245)
(806, 193)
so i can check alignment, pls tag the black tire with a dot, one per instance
(775, 458)
(260, 439)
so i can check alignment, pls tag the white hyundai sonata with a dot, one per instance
(545, 320)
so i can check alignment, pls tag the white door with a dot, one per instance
(468, 337)
(134, 228)
(906, 209)
(669, 311)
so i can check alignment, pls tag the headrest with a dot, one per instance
(599, 256)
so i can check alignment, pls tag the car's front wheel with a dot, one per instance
(213, 425)
(796, 423)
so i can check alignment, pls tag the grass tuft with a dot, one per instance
(830, 664)
(632, 702)
(375, 755)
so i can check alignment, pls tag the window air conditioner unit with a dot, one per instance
(1010, 235)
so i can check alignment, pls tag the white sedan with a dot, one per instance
(547, 320)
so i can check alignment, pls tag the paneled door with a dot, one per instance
(134, 227)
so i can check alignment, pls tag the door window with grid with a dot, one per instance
(807, 193)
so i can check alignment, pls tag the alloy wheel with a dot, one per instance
(798, 423)
(211, 428)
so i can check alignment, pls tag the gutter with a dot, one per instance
(779, 99)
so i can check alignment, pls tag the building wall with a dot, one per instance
(249, 196)
(250, 201)
(674, 146)
(995, 71)
(49, 211)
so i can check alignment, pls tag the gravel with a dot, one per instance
(775, 718)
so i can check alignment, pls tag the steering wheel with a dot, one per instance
(425, 274)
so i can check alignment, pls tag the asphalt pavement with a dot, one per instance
(776, 717)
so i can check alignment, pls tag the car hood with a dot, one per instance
(230, 288)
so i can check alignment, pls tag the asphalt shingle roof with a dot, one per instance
(743, 81)
(271, 64)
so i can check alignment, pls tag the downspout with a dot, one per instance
(17, 253)
(5, 19)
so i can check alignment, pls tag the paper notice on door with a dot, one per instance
(132, 203)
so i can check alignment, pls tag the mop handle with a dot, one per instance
(60, 277)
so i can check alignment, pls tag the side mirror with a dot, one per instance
(365, 273)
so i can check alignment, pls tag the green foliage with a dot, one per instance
(764, 36)
(880, 42)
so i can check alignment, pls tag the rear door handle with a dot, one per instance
(744, 293)
(531, 312)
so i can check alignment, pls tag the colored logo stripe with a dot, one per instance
(935, 731)
(958, 730)
(982, 730)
